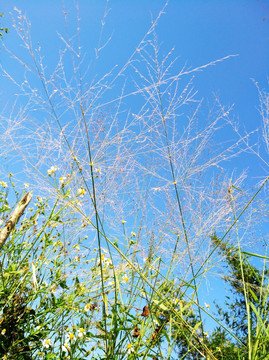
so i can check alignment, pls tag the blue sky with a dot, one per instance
(201, 31)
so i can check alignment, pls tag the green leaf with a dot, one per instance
(256, 255)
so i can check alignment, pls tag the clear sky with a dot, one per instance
(201, 31)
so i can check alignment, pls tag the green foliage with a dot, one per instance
(3, 29)
(235, 313)
(76, 281)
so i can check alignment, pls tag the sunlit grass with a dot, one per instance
(110, 256)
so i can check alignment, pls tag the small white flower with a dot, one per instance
(26, 185)
(3, 332)
(62, 180)
(66, 348)
(81, 191)
(3, 184)
(70, 337)
(130, 349)
(125, 279)
(46, 343)
(87, 307)
(52, 170)
(107, 261)
(81, 332)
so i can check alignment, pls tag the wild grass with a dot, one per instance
(129, 184)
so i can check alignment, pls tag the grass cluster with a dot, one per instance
(131, 212)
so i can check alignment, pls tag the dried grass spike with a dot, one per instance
(145, 311)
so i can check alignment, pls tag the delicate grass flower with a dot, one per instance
(3, 332)
(97, 172)
(107, 261)
(81, 332)
(62, 180)
(130, 349)
(70, 337)
(176, 301)
(76, 247)
(125, 279)
(26, 185)
(133, 234)
(53, 289)
(81, 191)
(207, 305)
(66, 348)
(52, 170)
(3, 184)
(123, 222)
(46, 343)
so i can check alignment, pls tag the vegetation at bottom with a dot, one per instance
(59, 303)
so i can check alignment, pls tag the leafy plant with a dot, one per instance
(3, 29)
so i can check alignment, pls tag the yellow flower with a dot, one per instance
(81, 332)
(125, 278)
(87, 307)
(76, 247)
(130, 349)
(62, 180)
(46, 343)
(66, 348)
(81, 191)
(3, 332)
(3, 184)
(52, 170)
(71, 337)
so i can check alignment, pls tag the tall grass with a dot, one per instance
(109, 261)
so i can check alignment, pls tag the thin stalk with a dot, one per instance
(96, 220)
(243, 276)
(80, 171)
(175, 186)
